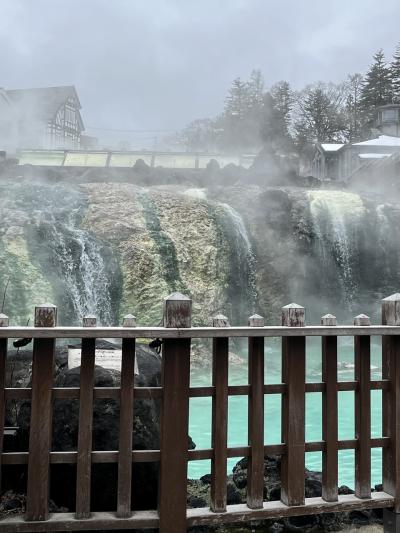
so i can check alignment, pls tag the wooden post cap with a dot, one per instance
(129, 321)
(293, 315)
(4, 321)
(89, 321)
(45, 316)
(328, 320)
(391, 310)
(256, 321)
(362, 320)
(177, 311)
(220, 321)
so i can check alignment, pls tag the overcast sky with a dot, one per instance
(158, 64)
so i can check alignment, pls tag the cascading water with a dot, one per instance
(337, 218)
(81, 270)
(82, 267)
(242, 261)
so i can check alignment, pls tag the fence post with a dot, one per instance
(84, 457)
(329, 414)
(391, 412)
(37, 504)
(255, 466)
(126, 422)
(4, 322)
(293, 408)
(219, 433)
(362, 371)
(175, 417)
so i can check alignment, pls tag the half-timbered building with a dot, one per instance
(47, 117)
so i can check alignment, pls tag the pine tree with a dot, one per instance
(256, 89)
(237, 102)
(395, 73)
(353, 112)
(377, 87)
(283, 103)
(274, 129)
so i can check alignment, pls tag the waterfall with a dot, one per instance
(243, 284)
(82, 271)
(336, 218)
(82, 268)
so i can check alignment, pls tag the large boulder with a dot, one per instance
(105, 435)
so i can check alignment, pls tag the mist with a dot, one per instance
(158, 65)
(238, 156)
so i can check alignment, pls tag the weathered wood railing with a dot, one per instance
(172, 515)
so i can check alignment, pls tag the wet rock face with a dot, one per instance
(118, 247)
(168, 240)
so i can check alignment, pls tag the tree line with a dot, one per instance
(283, 120)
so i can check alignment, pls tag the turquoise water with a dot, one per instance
(200, 408)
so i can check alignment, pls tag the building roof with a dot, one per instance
(382, 140)
(331, 147)
(42, 102)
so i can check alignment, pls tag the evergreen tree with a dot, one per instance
(377, 87)
(353, 111)
(233, 117)
(274, 129)
(256, 89)
(283, 100)
(238, 101)
(395, 72)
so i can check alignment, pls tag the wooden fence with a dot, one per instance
(172, 515)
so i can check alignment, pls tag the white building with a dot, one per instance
(47, 117)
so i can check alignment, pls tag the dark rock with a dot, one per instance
(196, 501)
(302, 523)
(105, 435)
(272, 491)
(313, 488)
(234, 496)
(239, 474)
(345, 490)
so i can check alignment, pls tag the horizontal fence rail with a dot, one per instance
(194, 332)
(173, 455)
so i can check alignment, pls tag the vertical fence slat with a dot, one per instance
(255, 466)
(124, 505)
(362, 370)
(329, 414)
(391, 410)
(293, 409)
(3, 361)
(219, 434)
(37, 505)
(84, 457)
(175, 417)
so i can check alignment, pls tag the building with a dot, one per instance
(388, 120)
(339, 162)
(47, 117)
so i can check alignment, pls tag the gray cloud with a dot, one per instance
(149, 64)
